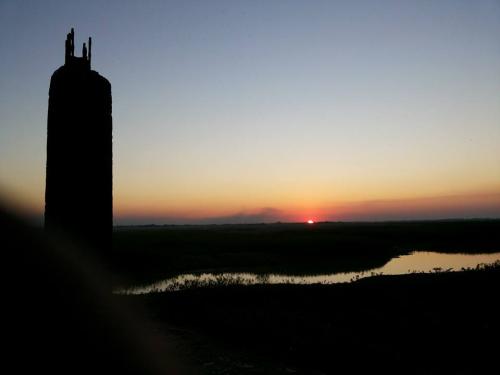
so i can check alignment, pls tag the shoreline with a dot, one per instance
(434, 323)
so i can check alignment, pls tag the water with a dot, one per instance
(418, 261)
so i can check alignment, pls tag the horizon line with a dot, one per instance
(315, 223)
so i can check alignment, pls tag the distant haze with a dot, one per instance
(262, 111)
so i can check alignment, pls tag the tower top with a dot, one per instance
(69, 57)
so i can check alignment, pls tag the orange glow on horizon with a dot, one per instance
(437, 207)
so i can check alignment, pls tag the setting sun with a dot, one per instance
(310, 221)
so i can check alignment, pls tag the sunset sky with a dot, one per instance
(262, 111)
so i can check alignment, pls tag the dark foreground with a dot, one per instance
(63, 319)
(413, 324)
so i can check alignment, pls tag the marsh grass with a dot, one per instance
(200, 281)
(145, 254)
(440, 321)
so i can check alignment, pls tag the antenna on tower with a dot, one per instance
(72, 42)
(67, 48)
(90, 50)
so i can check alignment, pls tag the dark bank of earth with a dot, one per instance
(432, 323)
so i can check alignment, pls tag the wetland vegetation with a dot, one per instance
(435, 322)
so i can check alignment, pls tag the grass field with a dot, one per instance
(144, 254)
(414, 324)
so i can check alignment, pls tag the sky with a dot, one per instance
(263, 111)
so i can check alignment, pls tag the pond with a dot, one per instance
(417, 261)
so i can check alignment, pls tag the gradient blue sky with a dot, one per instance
(269, 110)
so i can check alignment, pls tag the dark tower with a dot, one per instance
(78, 194)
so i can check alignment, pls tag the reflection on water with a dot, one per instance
(419, 261)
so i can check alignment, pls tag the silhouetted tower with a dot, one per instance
(78, 194)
